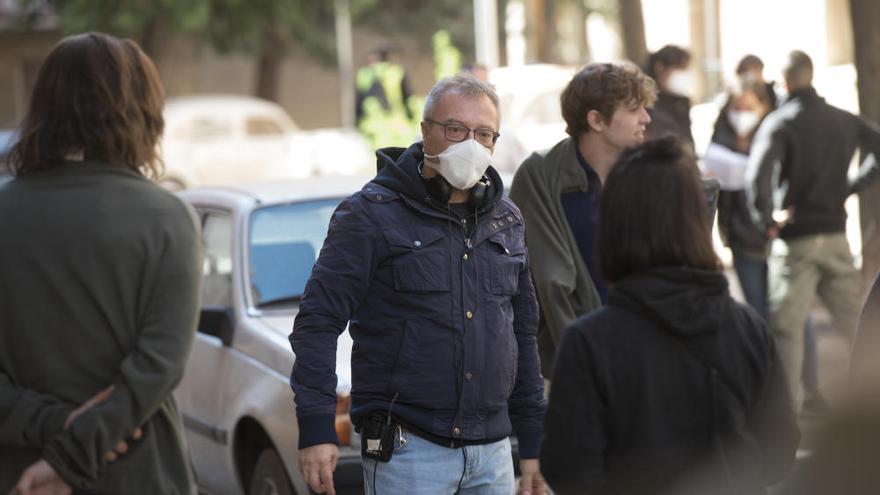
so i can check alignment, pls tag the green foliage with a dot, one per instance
(416, 21)
(447, 59)
(239, 25)
(128, 17)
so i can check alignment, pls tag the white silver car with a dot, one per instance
(261, 241)
(228, 139)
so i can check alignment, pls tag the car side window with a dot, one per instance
(208, 129)
(258, 126)
(217, 231)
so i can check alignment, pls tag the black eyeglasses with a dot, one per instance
(458, 133)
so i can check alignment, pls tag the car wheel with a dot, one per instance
(269, 477)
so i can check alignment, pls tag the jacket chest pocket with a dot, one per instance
(508, 258)
(419, 259)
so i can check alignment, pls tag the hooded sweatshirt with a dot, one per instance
(671, 387)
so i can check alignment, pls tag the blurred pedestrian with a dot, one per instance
(671, 114)
(749, 101)
(726, 159)
(101, 275)
(383, 101)
(752, 67)
(428, 267)
(801, 154)
(673, 387)
(558, 191)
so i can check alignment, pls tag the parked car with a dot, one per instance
(227, 139)
(7, 139)
(261, 241)
(531, 116)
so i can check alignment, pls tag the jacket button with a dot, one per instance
(417, 243)
(465, 257)
(510, 219)
(469, 315)
(468, 375)
(456, 431)
(379, 197)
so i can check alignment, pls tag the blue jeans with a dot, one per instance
(752, 277)
(419, 467)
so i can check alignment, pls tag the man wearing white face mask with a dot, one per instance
(428, 266)
(670, 68)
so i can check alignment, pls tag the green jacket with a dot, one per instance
(565, 288)
(100, 274)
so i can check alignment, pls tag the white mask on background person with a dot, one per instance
(462, 164)
(743, 121)
(680, 82)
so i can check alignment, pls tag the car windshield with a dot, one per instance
(283, 245)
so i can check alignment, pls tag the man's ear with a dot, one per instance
(596, 121)
(424, 127)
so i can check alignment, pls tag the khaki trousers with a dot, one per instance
(799, 270)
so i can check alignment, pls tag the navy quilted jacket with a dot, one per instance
(443, 316)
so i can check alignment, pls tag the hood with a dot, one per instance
(685, 301)
(399, 171)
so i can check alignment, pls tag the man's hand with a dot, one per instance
(121, 447)
(96, 399)
(531, 482)
(40, 478)
(780, 219)
(317, 463)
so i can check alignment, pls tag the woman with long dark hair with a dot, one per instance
(673, 387)
(100, 276)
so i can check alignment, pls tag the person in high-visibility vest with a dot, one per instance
(383, 107)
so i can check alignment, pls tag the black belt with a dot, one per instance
(452, 443)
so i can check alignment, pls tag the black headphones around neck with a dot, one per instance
(440, 189)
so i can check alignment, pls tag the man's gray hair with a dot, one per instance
(798, 71)
(460, 84)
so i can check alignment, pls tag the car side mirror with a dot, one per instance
(218, 321)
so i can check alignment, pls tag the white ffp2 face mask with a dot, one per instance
(462, 164)
(680, 82)
(743, 121)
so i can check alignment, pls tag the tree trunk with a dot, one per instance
(548, 51)
(632, 27)
(865, 19)
(269, 63)
(152, 35)
(570, 20)
(502, 33)
(536, 24)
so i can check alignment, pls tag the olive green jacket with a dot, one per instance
(100, 274)
(563, 284)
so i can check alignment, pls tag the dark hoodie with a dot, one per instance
(443, 315)
(671, 388)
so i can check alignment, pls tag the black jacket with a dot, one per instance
(802, 154)
(671, 116)
(645, 387)
(735, 224)
(444, 321)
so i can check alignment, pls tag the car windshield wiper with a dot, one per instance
(280, 301)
